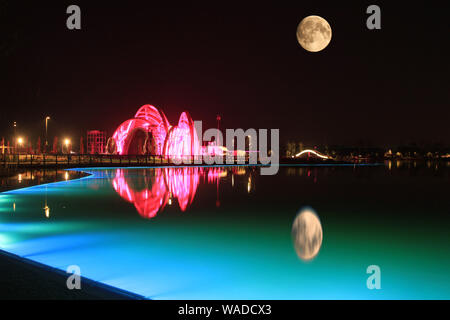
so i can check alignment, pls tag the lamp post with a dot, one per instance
(14, 136)
(46, 130)
(218, 118)
(20, 142)
(67, 144)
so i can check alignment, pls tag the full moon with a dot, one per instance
(314, 33)
(307, 234)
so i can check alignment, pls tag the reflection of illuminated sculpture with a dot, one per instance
(155, 187)
(149, 132)
(147, 201)
(182, 184)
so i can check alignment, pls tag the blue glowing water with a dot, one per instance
(226, 234)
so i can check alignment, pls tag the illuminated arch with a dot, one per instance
(182, 139)
(148, 119)
(125, 133)
(154, 116)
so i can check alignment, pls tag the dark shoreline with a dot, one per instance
(24, 279)
(23, 178)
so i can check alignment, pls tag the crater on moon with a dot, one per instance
(314, 33)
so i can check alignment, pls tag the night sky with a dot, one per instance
(241, 61)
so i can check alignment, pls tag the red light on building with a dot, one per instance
(96, 142)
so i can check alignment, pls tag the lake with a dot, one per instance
(227, 232)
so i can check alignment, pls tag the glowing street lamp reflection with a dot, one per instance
(47, 212)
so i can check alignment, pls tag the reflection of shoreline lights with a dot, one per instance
(47, 212)
(166, 184)
(215, 174)
(313, 152)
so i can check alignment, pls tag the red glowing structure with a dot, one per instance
(182, 140)
(149, 132)
(154, 189)
(96, 141)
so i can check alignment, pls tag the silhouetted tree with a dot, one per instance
(55, 145)
(81, 146)
(38, 146)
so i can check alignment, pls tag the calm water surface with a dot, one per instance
(226, 233)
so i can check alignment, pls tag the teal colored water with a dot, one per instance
(226, 233)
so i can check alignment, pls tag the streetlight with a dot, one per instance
(20, 142)
(218, 118)
(46, 130)
(67, 144)
(14, 136)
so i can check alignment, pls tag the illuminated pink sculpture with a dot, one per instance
(160, 138)
(182, 140)
(160, 186)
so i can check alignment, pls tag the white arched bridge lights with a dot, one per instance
(314, 152)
